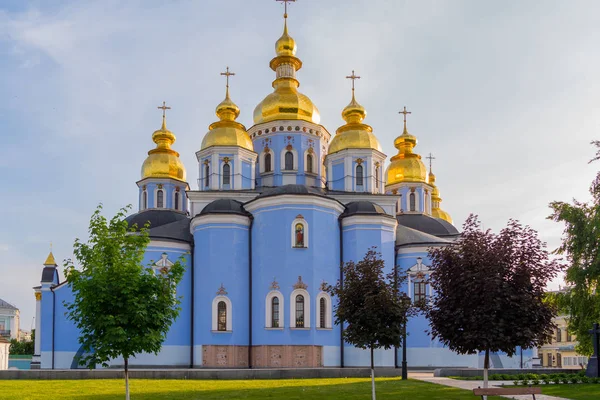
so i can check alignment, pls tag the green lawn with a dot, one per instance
(579, 391)
(290, 389)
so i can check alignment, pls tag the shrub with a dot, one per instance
(520, 376)
(555, 378)
(574, 378)
(525, 382)
(531, 376)
(506, 377)
(516, 383)
(564, 379)
(584, 379)
(494, 377)
(581, 372)
(595, 380)
(545, 378)
(535, 382)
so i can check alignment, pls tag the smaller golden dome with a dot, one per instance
(163, 162)
(285, 45)
(436, 211)
(406, 166)
(227, 131)
(354, 134)
(50, 259)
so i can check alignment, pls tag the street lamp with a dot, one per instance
(406, 301)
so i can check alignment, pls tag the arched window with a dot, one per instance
(268, 162)
(299, 311)
(377, 177)
(177, 200)
(275, 312)
(299, 239)
(322, 312)
(226, 174)
(222, 316)
(412, 202)
(160, 199)
(309, 163)
(359, 175)
(206, 175)
(289, 160)
(144, 200)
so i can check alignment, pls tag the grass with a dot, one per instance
(578, 391)
(287, 389)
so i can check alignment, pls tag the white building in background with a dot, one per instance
(4, 347)
(9, 321)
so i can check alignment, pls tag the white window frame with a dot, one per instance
(215, 315)
(314, 164)
(156, 197)
(269, 309)
(144, 205)
(305, 224)
(222, 183)
(323, 295)
(282, 160)
(177, 205)
(363, 180)
(262, 162)
(304, 293)
(417, 202)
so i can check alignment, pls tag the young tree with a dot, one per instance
(581, 245)
(489, 291)
(371, 306)
(121, 307)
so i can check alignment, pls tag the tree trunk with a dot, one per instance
(372, 375)
(126, 379)
(486, 365)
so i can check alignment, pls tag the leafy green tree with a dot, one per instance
(121, 307)
(369, 303)
(489, 291)
(581, 246)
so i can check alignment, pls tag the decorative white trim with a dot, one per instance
(262, 163)
(219, 219)
(222, 174)
(169, 245)
(417, 201)
(370, 220)
(324, 136)
(215, 314)
(177, 205)
(282, 159)
(269, 309)
(304, 293)
(364, 184)
(303, 222)
(156, 189)
(161, 264)
(144, 200)
(315, 169)
(294, 199)
(323, 295)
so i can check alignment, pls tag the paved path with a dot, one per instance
(470, 385)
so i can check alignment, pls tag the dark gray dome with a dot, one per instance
(291, 189)
(155, 217)
(363, 208)
(224, 206)
(427, 224)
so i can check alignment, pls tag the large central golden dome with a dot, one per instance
(286, 102)
(163, 161)
(406, 166)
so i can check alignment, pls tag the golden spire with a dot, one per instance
(406, 166)
(50, 261)
(354, 134)
(227, 131)
(286, 102)
(162, 161)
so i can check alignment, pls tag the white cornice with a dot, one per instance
(290, 122)
(226, 149)
(286, 199)
(208, 196)
(162, 180)
(386, 201)
(370, 220)
(354, 152)
(172, 245)
(219, 219)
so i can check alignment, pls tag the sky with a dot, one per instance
(504, 94)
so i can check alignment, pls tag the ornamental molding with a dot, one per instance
(38, 296)
(299, 216)
(274, 285)
(419, 270)
(222, 291)
(359, 161)
(323, 286)
(300, 284)
(226, 160)
(163, 265)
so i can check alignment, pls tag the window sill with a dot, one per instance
(221, 331)
(300, 329)
(299, 247)
(270, 173)
(273, 329)
(289, 171)
(312, 174)
(324, 329)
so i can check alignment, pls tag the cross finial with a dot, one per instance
(227, 74)
(430, 157)
(353, 77)
(285, 2)
(50, 247)
(164, 108)
(405, 113)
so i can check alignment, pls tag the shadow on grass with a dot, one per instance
(387, 389)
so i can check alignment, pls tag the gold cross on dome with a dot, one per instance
(430, 157)
(285, 2)
(164, 108)
(227, 74)
(353, 77)
(404, 112)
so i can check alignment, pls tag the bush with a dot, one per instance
(545, 378)
(564, 379)
(525, 382)
(584, 379)
(555, 378)
(595, 380)
(494, 377)
(574, 378)
(535, 382)
(531, 376)
(506, 377)
(520, 376)
(581, 372)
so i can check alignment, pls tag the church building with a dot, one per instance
(276, 209)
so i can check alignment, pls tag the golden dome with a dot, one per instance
(163, 162)
(50, 259)
(286, 102)
(406, 166)
(354, 134)
(227, 131)
(436, 211)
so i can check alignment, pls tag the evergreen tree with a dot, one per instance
(121, 307)
(581, 245)
(370, 306)
(489, 291)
